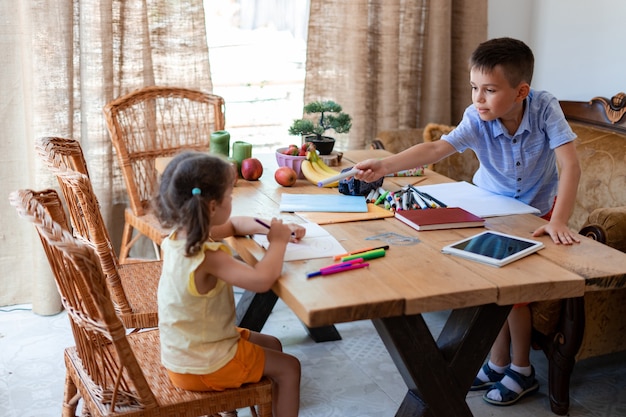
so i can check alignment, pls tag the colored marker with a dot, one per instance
(439, 203)
(373, 254)
(337, 270)
(354, 252)
(343, 264)
(418, 199)
(382, 197)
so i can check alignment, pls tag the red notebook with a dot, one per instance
(439, 218)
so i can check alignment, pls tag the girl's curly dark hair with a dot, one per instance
(190, 181)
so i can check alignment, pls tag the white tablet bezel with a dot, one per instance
(453, 250)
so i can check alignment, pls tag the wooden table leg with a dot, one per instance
(253, 310)
(439, 374)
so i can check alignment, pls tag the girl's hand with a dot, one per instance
(559, 233)
(278, 232)
(297, 232)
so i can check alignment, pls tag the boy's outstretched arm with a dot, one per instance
(569, 176)
(415, 156)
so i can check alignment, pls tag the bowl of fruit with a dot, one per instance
(292, 156)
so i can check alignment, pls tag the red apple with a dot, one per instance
(285, 176)
(251, 169)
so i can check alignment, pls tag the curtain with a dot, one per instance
(64, 60)
(392, 64)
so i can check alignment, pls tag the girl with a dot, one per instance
(201, 347)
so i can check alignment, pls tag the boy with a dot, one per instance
(519, 136)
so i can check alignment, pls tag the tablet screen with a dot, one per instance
(493, 247)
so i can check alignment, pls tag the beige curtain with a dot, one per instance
(63, 60)
(394, 63)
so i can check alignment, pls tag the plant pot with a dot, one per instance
(324, 144)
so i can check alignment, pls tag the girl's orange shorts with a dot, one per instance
(247, 366)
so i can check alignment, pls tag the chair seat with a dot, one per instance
(170, 399)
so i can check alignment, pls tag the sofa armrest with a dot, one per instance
(608, 226)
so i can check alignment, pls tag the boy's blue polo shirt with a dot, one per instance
(522, 166)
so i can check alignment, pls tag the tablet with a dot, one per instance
(493, 248)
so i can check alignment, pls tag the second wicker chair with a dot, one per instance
(133, 286)
(156, 122)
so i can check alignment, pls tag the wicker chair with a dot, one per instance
(154, 122)
(116, 374)
(133, 286)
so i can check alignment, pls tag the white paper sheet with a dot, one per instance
(476, 200)
(317, 243)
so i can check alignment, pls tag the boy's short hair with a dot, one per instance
(514, 56)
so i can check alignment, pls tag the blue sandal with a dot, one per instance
(493, 376)
(528, 383)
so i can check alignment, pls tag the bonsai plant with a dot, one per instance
(330, 117)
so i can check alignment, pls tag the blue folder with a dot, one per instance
(323, 202)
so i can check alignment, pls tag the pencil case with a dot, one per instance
(352, 186)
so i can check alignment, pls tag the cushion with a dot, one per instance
(602, 156)
(397, 140)
(458, 166)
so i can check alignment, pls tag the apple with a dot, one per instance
(285, 176)
(251, 169)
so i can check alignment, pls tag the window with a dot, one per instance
(257, 50)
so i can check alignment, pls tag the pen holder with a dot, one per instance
(352, 186)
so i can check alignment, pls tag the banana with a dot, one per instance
(310, 173)
(325, 167)
(325, 175)
(316, 166)
(314, 173)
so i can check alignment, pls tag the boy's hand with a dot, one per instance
(370, 170)
(297, 232)
(560, 233)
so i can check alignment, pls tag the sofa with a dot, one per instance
(574, 329)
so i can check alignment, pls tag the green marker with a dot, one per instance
(376, 253)
(381, 198)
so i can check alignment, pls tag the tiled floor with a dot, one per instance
(353, 377)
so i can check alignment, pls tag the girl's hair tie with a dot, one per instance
(196, 191)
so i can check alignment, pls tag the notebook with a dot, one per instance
(338, 203)
(439, 218)
(493, 248)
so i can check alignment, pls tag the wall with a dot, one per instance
(576, 43)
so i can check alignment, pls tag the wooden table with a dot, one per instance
(415, 278)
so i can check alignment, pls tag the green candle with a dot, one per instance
(241, 150)
(220, 142)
